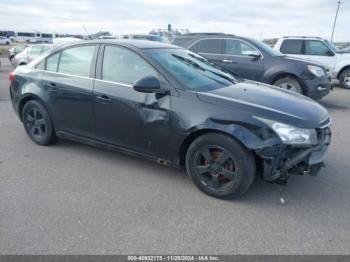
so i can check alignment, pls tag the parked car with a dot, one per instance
(4, 40)
(156, 38)
(29, 53)
(170, 105)
(346, 50)
(254, 60)
(319, 50)
(12, 52)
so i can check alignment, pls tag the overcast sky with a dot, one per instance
(252, 18)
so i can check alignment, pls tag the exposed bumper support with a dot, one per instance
(281, 160)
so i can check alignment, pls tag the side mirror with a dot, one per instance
(330, 53)
(254, 54)
(148, 84)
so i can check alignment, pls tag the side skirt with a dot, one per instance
(99, 144)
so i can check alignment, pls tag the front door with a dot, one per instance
(318, 51)
(238, 58)
(123, 116)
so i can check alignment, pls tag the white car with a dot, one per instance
(29, 53)
(319, 50)
(4, 41)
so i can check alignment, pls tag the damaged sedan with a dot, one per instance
(169, 105)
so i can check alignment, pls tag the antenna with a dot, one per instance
(335, 20)
(87, 32)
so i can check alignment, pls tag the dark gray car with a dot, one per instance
(169, 105)
(254, 60)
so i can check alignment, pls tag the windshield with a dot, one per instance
(333, 47)
(266, 48)
(192, 71)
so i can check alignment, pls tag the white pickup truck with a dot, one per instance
(321, 51)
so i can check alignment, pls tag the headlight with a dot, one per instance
(316, 70)
(292, 135)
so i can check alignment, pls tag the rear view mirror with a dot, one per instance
(252, 53)
(148, 84)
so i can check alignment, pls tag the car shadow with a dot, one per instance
(261, 193)
(334, 105)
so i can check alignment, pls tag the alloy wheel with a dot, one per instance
(347, 81)
(36, 123)
(216, 168)
(289, 86)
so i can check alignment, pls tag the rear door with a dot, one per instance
(68, 81)
(123, 116)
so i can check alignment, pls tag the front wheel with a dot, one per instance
(344, 79)
(290, 84)
(37, 123)
(220, 166)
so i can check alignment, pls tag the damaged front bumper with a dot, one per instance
(279, 161)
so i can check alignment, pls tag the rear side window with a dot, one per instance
(315, 47)
(52, 62)
(237, 47)
(208, 46)
(76, 61)
(124, 66)
(292, 47)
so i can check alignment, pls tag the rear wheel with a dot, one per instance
(37, 123)
(220, 166)
(344, 79)
(290, 84)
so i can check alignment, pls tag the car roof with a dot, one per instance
(302, 37)
(140, 44)
(187, 40)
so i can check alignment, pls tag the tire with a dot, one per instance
(344, 79)
(37, 123)
(289, 83)
(220, 166)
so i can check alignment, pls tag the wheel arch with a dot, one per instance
(342, 70)
(28, 98)
(237, 136)
(281, 75)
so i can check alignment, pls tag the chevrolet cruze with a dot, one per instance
(172, 106)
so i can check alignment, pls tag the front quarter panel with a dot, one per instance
(190, 115)
(275, 66)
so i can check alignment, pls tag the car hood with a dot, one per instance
(265, 101)
(302, 61)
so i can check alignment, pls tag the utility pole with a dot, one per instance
(335, 20)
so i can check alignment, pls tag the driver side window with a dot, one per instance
(238, 48)
(124, 66)
(317, 48)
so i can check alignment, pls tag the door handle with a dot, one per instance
(227, 61)
(52, 87)
(103, 99)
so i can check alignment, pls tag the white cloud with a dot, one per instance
(254, 18)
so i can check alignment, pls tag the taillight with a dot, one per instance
(12, 76)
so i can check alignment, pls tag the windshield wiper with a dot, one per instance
(188, 61)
